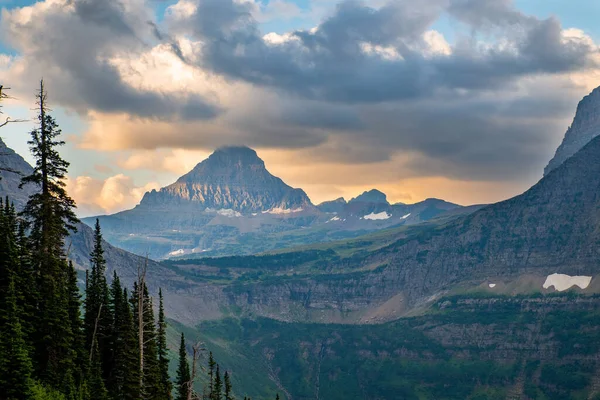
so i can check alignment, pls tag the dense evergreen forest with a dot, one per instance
(57, 343)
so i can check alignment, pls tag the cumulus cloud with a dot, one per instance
(97, 196)
(365, 54)
(76, 45)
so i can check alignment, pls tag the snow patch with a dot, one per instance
(492, 285)
(280, 210)
(378, 216)
(226, 212)
(563, 282)
(406, 216)
(229, 213)
(333, 219)
(179, 252)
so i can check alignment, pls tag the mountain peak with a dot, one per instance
(236, 153)
(371, 196)
(585, 127)
(230, 178)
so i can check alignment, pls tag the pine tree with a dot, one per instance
(15, 364)
(166, 386)
(98, 318)
(129, 362)
(152, 377)
(211, 375)
(74, 308)
(277, 397)
(96, 386)
(218, 387)
(183, 373)
(116, 383)
(227, 380)
(49, 214)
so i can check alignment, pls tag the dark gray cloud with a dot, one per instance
(330, 63)
(71, 46)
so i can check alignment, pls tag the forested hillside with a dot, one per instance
(58, 343)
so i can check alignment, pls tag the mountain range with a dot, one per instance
(489, 302)
(230, 204)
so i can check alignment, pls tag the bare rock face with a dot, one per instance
(585, 127)
(372, 196)
(12, 168)
(232, 178)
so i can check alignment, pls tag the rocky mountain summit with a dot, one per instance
(232, 178)
(372, 196)
(585, 127)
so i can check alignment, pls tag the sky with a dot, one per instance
(465, 100)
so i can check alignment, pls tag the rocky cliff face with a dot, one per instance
(584, 128)
(12, 168)
(232, 178)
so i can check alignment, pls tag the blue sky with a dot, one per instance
(381, 86)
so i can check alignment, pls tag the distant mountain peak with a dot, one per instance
(371, 196)
(230, 178)
(585, 127)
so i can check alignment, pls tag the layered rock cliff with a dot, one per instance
(585, 127)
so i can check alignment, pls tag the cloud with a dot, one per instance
(96, 196)
(365, 54)
(74, 45)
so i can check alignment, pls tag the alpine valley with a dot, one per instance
(364, 299)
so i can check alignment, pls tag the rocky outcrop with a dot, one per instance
(12, 168)
(584, 128)
(372, 196)
(231, 178)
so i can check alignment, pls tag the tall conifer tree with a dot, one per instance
(211, 374)
(227, 382)
(183, 373)
(218, 387)
(98, 317)
(50, 216)
(166, 386)
(130, 361)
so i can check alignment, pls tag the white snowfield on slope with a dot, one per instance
(563, 282)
